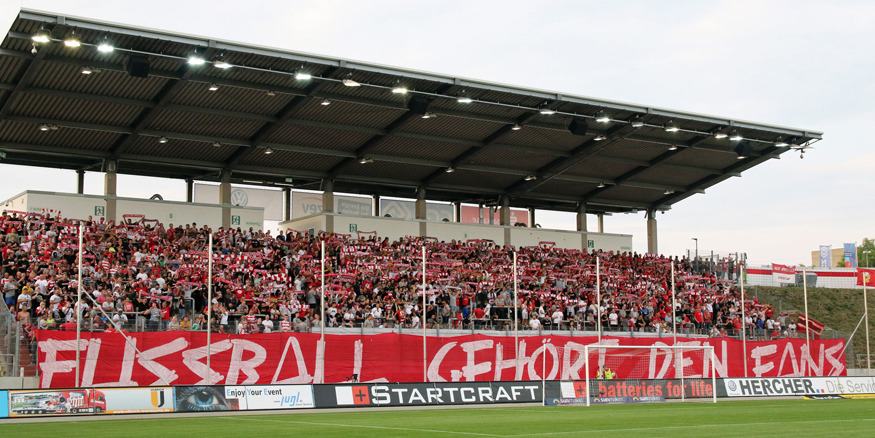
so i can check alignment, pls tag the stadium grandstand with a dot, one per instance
(101, 97)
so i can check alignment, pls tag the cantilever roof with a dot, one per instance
(369, 140)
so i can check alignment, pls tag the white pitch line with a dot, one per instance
(641, 429)
(409, 429)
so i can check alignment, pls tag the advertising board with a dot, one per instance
(4, 404)
(666, 388)
(241, 398)
(90, 401)
(424, 394)
(209, 398)
(799, 386)
(138, 400)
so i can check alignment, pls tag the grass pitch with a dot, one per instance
(725, 419)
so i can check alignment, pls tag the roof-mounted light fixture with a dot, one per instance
(399, 88)
(163, 140)
(429, 115)
(464, 98)
(601, 185)
(781, 143)
(325, 102)
(41, 36)
(531, 177)
(86, 70)
(450, 169)
(672, 127)
(268, 151)
(365, 160)
(735, 136)
(48, 127)
(220, 62)
(743, 149)
(668, 192)
(673, 147)
(271, 93)
(546, 110)
(196, 59)
(720, 134)
(105, 45)
(72, 40)
(637, 121)
(213, 87)
(350, 82)
(516, 127)
(602, 117)
(217, 144)
(302, 75)
(600, 138)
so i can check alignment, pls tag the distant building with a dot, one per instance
(835, 254)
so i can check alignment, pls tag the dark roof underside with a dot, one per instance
(110, 116)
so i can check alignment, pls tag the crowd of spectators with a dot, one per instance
(143, 275)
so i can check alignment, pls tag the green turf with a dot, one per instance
(725, 419)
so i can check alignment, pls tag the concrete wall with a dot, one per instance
(75, 206)
(446, 231)
(385, 227)
(609, 242)
(522, 236)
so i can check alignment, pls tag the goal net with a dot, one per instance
(621, 374)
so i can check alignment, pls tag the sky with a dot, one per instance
(794, 63)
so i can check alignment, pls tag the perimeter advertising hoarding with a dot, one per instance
(138, 400)
(90, 401)
(209, 398)
(665, 388)
(798, 386)
(425, 394)
(4, 404)
(241, 398)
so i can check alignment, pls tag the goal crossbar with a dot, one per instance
(708, 351)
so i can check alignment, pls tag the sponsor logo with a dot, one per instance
(157, 398)
(239, 197)
(623, 400)
(771, 387)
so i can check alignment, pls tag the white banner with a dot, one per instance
(270, 200)
(401, 209)
(307, 204)
(783, 274)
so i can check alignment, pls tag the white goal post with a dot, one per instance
(651, 363)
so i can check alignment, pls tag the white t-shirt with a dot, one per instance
(534, 323)
(41, 286)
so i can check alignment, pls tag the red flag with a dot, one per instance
(816, 327)
(865, 277)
